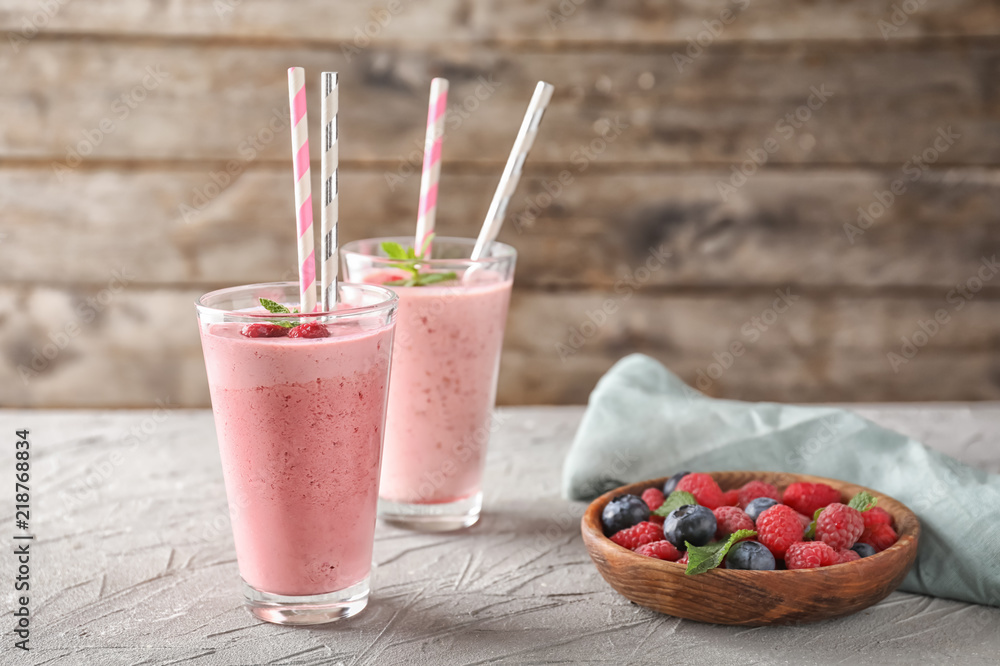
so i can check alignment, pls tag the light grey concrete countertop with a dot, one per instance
(133, 563)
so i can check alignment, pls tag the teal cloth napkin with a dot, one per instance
(643, 422)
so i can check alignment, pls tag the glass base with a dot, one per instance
(443, 517)
(312, 609)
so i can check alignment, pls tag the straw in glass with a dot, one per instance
(512, 171)
(329, 213)
(303, 193)
(431, 174)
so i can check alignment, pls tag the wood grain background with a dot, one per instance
(119, 122)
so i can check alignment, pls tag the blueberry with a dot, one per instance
(750, 555)
(622, 512)
(759, 506)
(692, 523)
(670, 485)
(863, 549)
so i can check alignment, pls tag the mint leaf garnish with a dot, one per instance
(863, 501)
(394, 251)
(431, 278)
(410, 262)
(277, 308)
(675, 500)
(703, 558)
(274, 306)
(811, 532)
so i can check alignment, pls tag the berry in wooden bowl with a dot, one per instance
(837, 566)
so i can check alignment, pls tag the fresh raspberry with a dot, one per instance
(653, 497)
(848, 555)
(878, 537)
(751, 490)
(807, 497)
(264, 330)
(839, 525)
(684, 559)
(778, 528)
(638, 535)
(731, 498)
(729, 519)
(310, 330)
(876, 516)
(810, 554)
(661, 550)
(704, 488)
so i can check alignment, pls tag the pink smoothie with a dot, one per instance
(299, 423)
(445, 362)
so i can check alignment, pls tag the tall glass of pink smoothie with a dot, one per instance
(445, 362)
(300, 405)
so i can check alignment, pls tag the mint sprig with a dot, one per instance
(277, 308)
(704, 558)
(863, 501)
(811, 532)
(410, 262)
(675, 500)
(274, 307)
(396, 251)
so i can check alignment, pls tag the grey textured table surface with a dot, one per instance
(133, 563)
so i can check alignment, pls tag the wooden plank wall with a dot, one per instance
(118, 122)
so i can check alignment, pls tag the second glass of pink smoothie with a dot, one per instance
(445, 362)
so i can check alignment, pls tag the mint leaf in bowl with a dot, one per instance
(709, 556)
(675, 500)
(811, 531)
(863, 501)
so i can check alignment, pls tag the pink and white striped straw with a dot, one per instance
(303, 190)
(431, 174)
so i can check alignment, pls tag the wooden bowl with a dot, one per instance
(754, 598)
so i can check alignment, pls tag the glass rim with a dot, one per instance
(500, 252)
(389, 303)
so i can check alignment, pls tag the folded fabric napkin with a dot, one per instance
(643, 422)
